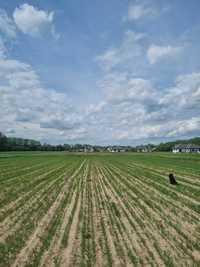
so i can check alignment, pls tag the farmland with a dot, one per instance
(60, 209)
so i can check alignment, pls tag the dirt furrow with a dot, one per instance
(68, 252)
(188, 184)
(156, 189)
(24, 197)
(171, 229)
(52, 254)
(115, 240)
(99, 260)
(191, 178)
(11, 224)
(31, 243)
(133, 234)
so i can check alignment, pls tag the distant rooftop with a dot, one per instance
(187, 146)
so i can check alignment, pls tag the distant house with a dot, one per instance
(116, 149)
(187, 148)
(88, 149)
(145, 149)
(141, 149)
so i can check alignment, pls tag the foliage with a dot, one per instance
(20, 144)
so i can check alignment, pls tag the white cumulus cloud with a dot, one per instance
(138, 11)
(2, 48)
(156, 52)
(7, 26)
(30, 20)
(30, 109)
(135, 109)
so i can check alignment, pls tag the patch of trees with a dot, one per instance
(169, 145)
(20, 144)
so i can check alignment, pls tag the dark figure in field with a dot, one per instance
(172, 179)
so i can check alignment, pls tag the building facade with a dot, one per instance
(186, 148)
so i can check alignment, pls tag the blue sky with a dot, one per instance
(100, 72)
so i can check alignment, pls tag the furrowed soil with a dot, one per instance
(103, 209)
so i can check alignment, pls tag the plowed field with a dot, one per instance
(99, 210)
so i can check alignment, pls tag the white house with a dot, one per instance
(187, 148)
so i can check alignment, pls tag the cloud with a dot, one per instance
(186, 93)
(156, 53)
(142, 9)
(7, 26)
(124, 108)
(139, 11)
(32, 21)
(109, 58)
(30, 109)
(135, 110)
(130, 48)
(7, 32)
(190, 126)
(60, 124)
(134, 90)
(2, 49)
(10, 131)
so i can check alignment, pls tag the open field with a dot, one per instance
(60, 209)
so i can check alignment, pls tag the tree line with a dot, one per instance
(18, 144)
(21, 144)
